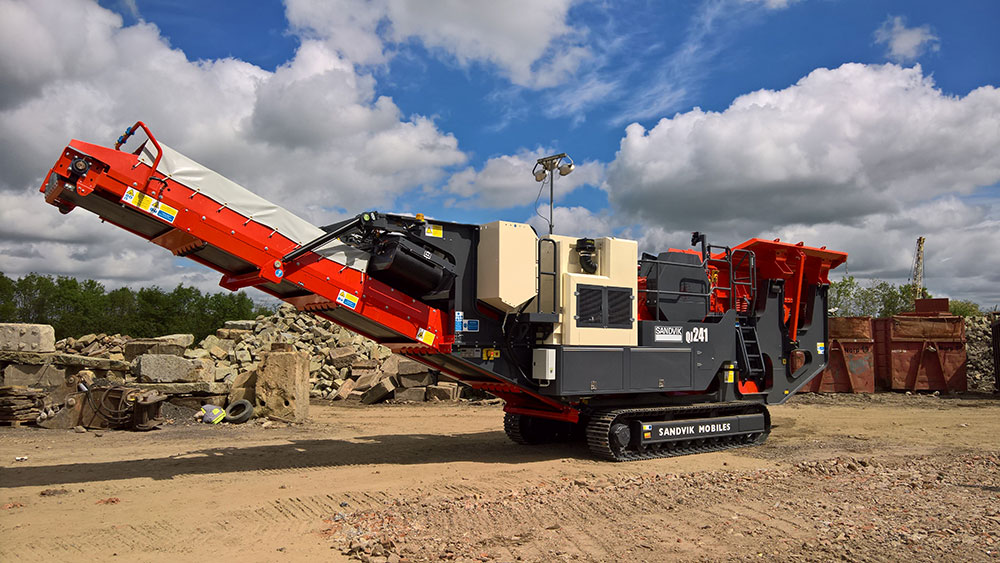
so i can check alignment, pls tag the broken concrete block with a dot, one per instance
(209, 341)
(442, 392)
(234, 334)
(35, 358)
(95, 349)
(345, 390)
(407, 366)
(367, 380)
(86, 340)
(244, 387)
(364, 364)
(241, 325)
(141, 346)
(183, 340)
(196, 354)
(411, 394)
(26, 375)
(222, 373)
(354, 396)
(380, 392)
(417, 379)
(21, 337)
(341, 357)
(282, 389)
(163, 368)
(218, 352)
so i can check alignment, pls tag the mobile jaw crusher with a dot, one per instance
(642, 356)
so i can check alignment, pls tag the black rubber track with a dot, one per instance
(530, 430)
(599, 429)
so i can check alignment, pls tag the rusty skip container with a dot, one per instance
(915, 353)
(850, 359)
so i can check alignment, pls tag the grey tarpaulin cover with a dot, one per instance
(224, 191)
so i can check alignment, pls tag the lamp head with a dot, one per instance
(565, 169)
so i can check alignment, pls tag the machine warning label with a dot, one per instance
(347, 300)
(470, 325)
(426, 336)
(150, 205)
(668, 334)
(459, 318)
(821, 348)
(433, 231)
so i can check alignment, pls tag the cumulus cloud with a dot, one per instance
(905, 44)
(312, 136)
(573, 222)
(505, 181)
(861, 158)
(838, 145)
(530, 41)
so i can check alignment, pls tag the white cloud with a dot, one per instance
(905, 44)
(530, 41)
(868, 157)
(311, 136)
(838, 145)
(506, 181)
(573, 221)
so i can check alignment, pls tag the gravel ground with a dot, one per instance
(874, 478)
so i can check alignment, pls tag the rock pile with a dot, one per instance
(102, 345)
(342, 365)
(980, 370)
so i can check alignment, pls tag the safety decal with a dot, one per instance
(470, 325)
(426, 336)
(150, 205)
(459, 321)
(433, 231)
(647, 431)
(490, 353)
(821, 348)
(347, 300)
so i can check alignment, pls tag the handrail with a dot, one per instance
(734, 259)
(159, 151)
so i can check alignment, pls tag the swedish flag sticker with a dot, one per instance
(347, 300)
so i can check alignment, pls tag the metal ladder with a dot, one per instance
(751, 357)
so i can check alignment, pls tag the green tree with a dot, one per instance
(964, 308)
(7, 307)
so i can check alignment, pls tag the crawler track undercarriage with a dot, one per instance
(631, 434)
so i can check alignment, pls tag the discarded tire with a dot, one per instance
(239, 412)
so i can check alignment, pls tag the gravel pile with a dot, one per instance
(979, 341)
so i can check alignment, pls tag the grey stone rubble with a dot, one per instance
(342, 365)
(980, 371)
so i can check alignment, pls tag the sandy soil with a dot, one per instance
(887, 477)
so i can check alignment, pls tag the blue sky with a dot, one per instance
(835, 122)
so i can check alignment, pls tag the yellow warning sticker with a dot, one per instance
(434, 231)
(426, 336)
(150, 205)
(730, 376)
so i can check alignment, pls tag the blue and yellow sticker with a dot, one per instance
(435, 231)
(150, 205)
(347, 300)
(821, 348)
